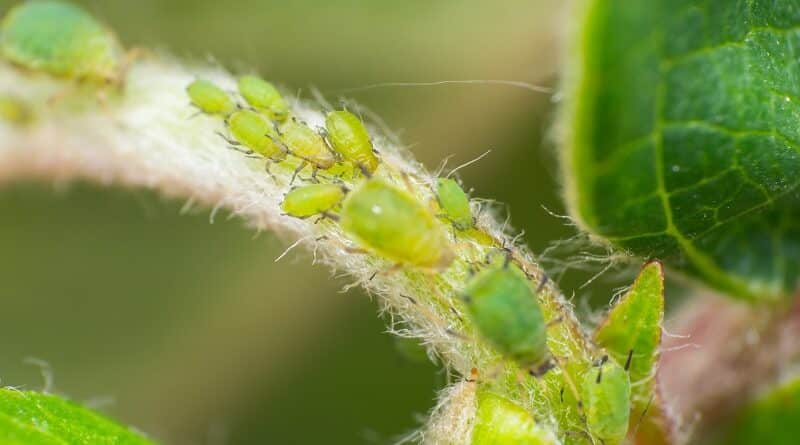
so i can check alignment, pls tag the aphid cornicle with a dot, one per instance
(263, 96)
(350, 139)
(209, 98)
(454, 202)
(393, 224)
(312, 199)
(306, 144)
(62, 40)
(506, 312)
(606, 397)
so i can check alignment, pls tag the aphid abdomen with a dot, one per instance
(254, 132)
(498, 420)
(263, 96)
(350, 139)
(62, 40)
(312, 199)
(506, 312)
(210, 98)
(606, 397)
(306, 144)
(393, 224)
(454, 203)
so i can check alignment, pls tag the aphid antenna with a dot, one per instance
(559, 362)
(320, 98)
(512, 83)
(468, 163)
(442, 165)
(642, 415)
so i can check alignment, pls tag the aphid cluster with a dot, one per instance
(64, 41)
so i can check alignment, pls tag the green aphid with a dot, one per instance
(454, 202)
(506, 312)
(313, 199)
(306, 144)
(209, 98)
(264, 97)
(350, 139)
(606, 397)
(14, 111)
(498, 420)
(62, 40)
(393, 224)
(254, 132)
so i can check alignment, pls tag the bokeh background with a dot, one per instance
(188, 329)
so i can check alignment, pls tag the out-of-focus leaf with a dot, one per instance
(682, 136)
(773, 418)
(29, 418)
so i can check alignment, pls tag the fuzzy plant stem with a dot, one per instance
(149, 136)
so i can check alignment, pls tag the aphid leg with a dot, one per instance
(314, 169)
(364, 170)
(356, 250)
(328, 215)
(628, 361)
(62, 94)
(543, 283)
(540, 370)
(554, 322)
(267, 165)
(297, 170)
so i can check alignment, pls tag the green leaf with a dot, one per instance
(634, 326)
(682, 139)
(773, 418)
(30, 418)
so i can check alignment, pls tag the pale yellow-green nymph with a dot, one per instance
(393, 224)
(62, 40)
(454, 203)
(606, 397)
(263, 96)
(313, 199)
(305, 143)
(498, 421)
(349, 138)
(209, 98)
(506, 312)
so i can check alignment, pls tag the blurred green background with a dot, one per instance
(189, 330)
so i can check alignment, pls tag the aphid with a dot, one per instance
(14, 110)
(263, 96)
(454, 202)
(350, 139)
(306, 144)
(210, 98)
(392, 223)
(313, 199)
(62, 40)
(498, 420)
(606, 397)
(506, 312)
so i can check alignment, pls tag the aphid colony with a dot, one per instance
(387, 220)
